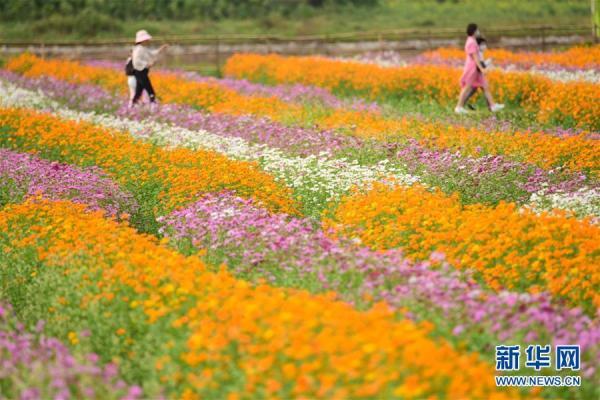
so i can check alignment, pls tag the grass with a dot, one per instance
(390, 14)
(203, 68)
(513, 116)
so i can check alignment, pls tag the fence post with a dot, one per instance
(429, 45)
(543, 38)
(218, 56)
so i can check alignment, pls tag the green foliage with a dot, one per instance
(76, 19)
(87, 23)
(9, 192)
(161, 9)
(596, 16)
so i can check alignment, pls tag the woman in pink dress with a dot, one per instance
(473, 76)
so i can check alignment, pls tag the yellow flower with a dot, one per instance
(72, 336)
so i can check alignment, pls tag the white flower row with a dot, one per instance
(390, 60)
(317, 180)
(387, 59)
(585, 202)
(561, 75)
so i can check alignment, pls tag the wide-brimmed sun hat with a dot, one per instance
(142, 36)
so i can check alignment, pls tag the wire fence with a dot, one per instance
(541, 31)
(216, 48)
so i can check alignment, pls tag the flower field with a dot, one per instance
(575, 58)
(304, 227)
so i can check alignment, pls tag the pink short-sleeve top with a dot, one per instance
(471, 50)
(471, 75)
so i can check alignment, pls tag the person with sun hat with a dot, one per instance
(142, 59)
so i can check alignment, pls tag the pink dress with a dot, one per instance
(471, 76)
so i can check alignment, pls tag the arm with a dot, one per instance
(478, 61)
(155, 53)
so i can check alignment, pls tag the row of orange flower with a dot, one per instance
(575, 152)
(508, 248)
(187, 332)
(172, 88)
(315, 354)
(128, 160)
(573, 103)
(575, 57)
(177, 174)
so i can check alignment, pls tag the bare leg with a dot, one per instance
(471, 93)
(463, 95)
(131, 95)
(488, 97)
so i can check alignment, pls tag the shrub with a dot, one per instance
(86, 23)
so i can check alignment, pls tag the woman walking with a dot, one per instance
(142, 59)
(473, 74)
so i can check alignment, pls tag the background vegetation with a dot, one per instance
(79, 19)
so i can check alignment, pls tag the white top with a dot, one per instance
(143, 57)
